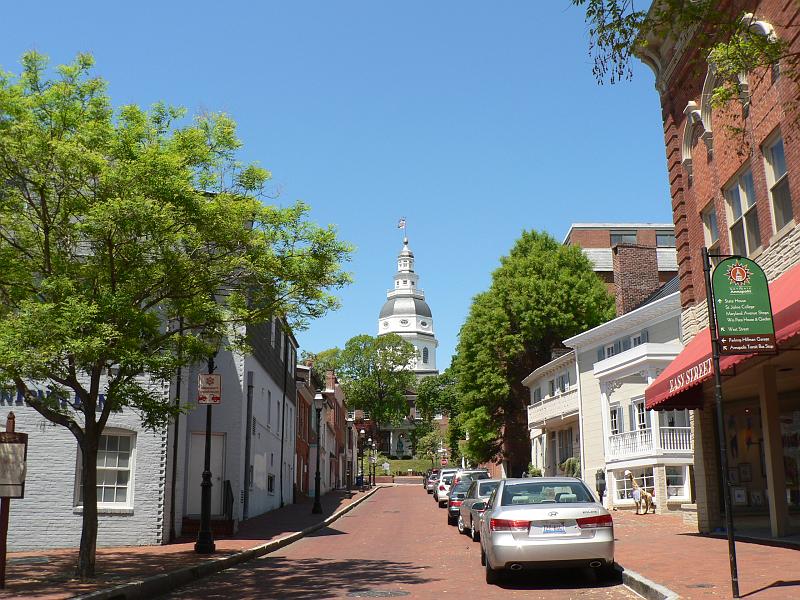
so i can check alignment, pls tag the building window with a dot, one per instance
(665, 239)
(564, 444)
(636, 340)
(778, 183)
(562, 383)
(623, 238)
(643, 476)
(271, 484)
(114, 468)
(615, 420)
(710, 228)
(741, 198)
(641, 415)
(609, 350)
(537, 395)
(425, 355)
(676, 482)
(269, 408)
(551, 385)
(673, 418)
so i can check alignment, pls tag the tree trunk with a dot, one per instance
(86, 556)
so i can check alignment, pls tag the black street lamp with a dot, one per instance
(369, 462)
(205, 537)
(361, 454)
(374, 461)
(318, 402)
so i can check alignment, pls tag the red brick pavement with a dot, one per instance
(397, 541)
(666, 551)
(49, 574)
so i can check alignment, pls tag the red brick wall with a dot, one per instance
(590, 238)
(635, 275)
(770, 108)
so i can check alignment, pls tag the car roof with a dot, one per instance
(543, 479)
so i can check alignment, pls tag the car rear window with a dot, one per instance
(448, 479)
(487, 488)
(545, 493)
(462, 487)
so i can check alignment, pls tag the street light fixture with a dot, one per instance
(369, 462)
(374, 461)
(361, 454)
(319, 402)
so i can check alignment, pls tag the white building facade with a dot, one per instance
(615, 362)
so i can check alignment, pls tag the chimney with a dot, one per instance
(635, 275)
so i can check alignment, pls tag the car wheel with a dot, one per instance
(474, 533)
(493, 576)
(442, 504)
(483, 557)
(451, 519)
(461, 528)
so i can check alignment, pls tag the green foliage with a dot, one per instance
(321, 363)
(542, 293)
(376, 374)
(534, 471)
(115, 223)
(437, 395)
(618, 30)
(571, 467)
(429, 443)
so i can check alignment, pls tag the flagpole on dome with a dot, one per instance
(401, 224)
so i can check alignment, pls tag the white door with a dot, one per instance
(197, 448)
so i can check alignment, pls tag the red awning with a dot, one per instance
(678, 386)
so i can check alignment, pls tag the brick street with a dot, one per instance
(396, 541)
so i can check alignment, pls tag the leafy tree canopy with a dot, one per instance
(376, 374)
(620, 28)
(437, 395)
(133, 242)
(542, 293)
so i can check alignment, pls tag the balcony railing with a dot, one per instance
(642, 442)
(559, 406)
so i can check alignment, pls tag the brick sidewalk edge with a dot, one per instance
(150, 587)
(644, 587)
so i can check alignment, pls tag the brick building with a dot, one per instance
(734, 187)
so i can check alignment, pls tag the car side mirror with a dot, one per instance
(479, 506)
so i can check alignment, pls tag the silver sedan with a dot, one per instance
(544, 522)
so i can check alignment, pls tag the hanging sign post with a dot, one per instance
(742, 306)
(209, 388)
(13, 454)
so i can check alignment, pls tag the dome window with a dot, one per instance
(425, 356)
(404, 322)
(423, 323)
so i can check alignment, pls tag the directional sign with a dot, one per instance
(744, 312)
(209, 388)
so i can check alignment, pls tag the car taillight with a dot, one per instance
(595, 522)
(508, 525)
(441, 488)
(456, 502)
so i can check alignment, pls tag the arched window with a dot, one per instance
(425, 356)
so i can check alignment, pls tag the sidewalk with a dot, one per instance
(666, 551)
(49, 574)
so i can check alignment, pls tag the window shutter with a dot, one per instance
(632, 415)
(647, 416)
(645, 336)
(626, 344)
(617, 347)
(600, 354)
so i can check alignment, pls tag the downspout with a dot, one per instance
(173, 483)
(247, 446)
(283, 409)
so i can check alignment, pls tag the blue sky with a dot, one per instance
(473, 120)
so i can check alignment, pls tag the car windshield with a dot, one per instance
(447, 479)
(487, 488)
(462, 487)
(545, 493)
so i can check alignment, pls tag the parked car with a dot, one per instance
(440, 484)
(433, 479)
(545, 522)
(454, 499)
(428, 474)
(443, 490)
(474, 505)
(471, 473)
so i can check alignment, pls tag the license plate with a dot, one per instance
(552, 528)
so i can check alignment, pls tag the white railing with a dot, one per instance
(631, 443)
(676, 439)
(643, 442)
(558, 406)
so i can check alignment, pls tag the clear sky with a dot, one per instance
(473, 120)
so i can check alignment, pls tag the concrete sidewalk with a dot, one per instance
(49, 574)
(670, 553)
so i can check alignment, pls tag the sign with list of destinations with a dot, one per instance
(744, 312)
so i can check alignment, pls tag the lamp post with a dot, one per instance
(369, 462)
(318, 402)
(361, 454)
(374, 461)
(205, 537)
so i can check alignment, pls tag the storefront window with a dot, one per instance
(643, 476)
(676, 482)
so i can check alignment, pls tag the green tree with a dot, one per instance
(437, 395)
(132, 244)
(542, 293)
(618, 29)
(376, 374)
(428, 445)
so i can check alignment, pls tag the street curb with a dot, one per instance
(644, 587)
(150, 587)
